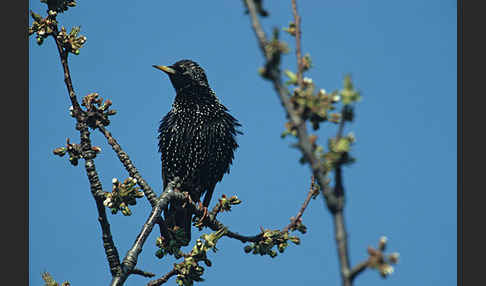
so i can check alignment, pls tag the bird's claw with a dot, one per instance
(200, 223)
(205, 211)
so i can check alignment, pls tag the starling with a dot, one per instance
(196, 140)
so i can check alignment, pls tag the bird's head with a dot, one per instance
(185, 73)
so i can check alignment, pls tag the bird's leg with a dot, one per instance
(208, 195)
(205, 211)
(204, 206)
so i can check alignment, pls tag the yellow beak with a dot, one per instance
(165, 69)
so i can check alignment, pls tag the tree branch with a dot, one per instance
(260, 34)
(96, 188)
(334, 198)
(358, 269)
(342, 247)
(338, 217)
(129, 166)
(131, 257)
(95, 185)
(63, 54)
(295, 220)
(163, 279)
(142, 273)
(298, 52)
(303, 143)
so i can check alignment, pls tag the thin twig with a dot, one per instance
(295, 220)
(63, 54)
(163, 279)
(129, 166)
(358, 269)
(131, 257)
(260, 34)
(142, 273)
(243, 238)
(215, 225)
(338, 216)
(342, 247)
(298, 52)
(341, 126)
(303, 138)
(216, 210)
(95, 185)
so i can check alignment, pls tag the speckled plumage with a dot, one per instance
(196, 139)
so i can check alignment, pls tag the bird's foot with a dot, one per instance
(200, 223)
(204, 209)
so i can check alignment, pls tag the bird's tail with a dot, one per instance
(178, 220)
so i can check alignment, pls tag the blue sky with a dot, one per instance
(402, 57)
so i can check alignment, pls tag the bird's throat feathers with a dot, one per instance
(199, 95)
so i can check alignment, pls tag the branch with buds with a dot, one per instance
(303, 105)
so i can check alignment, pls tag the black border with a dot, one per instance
(471, 152)
(14, 207)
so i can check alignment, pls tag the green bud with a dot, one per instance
(285, 133)
(178, 254)
(262, 71)
(208, 262)
(335, 117)
(248, 248)
(74, 31)
(234, 200)
(272, 253)
(292, 77)
(306, 62)
(40, 40)
(35, 16)
(61, 151)
(73, 161)
(256, 249)
(159, 241)
(393, 258)
(126, 211)
(342, 145)
(159, 253)
(295, 239)
(291, 29)
(302, 228)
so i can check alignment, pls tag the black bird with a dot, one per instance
(196, 140)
